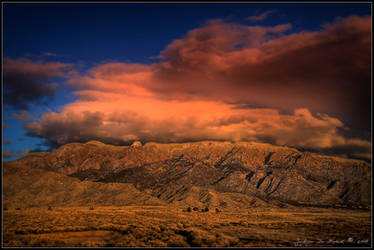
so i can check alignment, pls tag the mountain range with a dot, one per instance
(212, 174)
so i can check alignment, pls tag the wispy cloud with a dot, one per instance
(49, 54)
(6, 141)
(261, 17)
(23, 115)
(6, 126)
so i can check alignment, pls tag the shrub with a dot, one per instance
(206, 209)
(189, 209)
(18, 208)
(49, 208)
(217, 210)
(5, 208)
(195, 209)
(91, 208)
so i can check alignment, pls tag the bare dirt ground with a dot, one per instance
(153, 226)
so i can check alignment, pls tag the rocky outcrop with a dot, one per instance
(136, 144)
(260, 172)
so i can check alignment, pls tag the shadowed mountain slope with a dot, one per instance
(29, 187)
(214, 173)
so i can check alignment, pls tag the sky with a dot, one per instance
(294, 74)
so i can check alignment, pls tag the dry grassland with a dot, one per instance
(153, 226)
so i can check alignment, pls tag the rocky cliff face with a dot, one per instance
(216, 173)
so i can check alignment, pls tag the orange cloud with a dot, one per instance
(260, 66)
(253, 83)
(123, 116)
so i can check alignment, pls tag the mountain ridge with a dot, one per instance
(258, 173)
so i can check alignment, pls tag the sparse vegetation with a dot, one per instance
(142, 226)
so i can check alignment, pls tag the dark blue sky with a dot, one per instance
(136, 32)
(92, 33)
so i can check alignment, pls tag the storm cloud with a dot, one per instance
(227, 81)
(325, 71)
(27, 82)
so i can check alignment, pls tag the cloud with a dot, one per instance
(49, 54)
(35, 150)
(228, 81)
(261, 17)
(6, 141)
(326, 71)
(200, 121)
(122, 118)
(23, 115)
(352, 148)
(27, 82)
